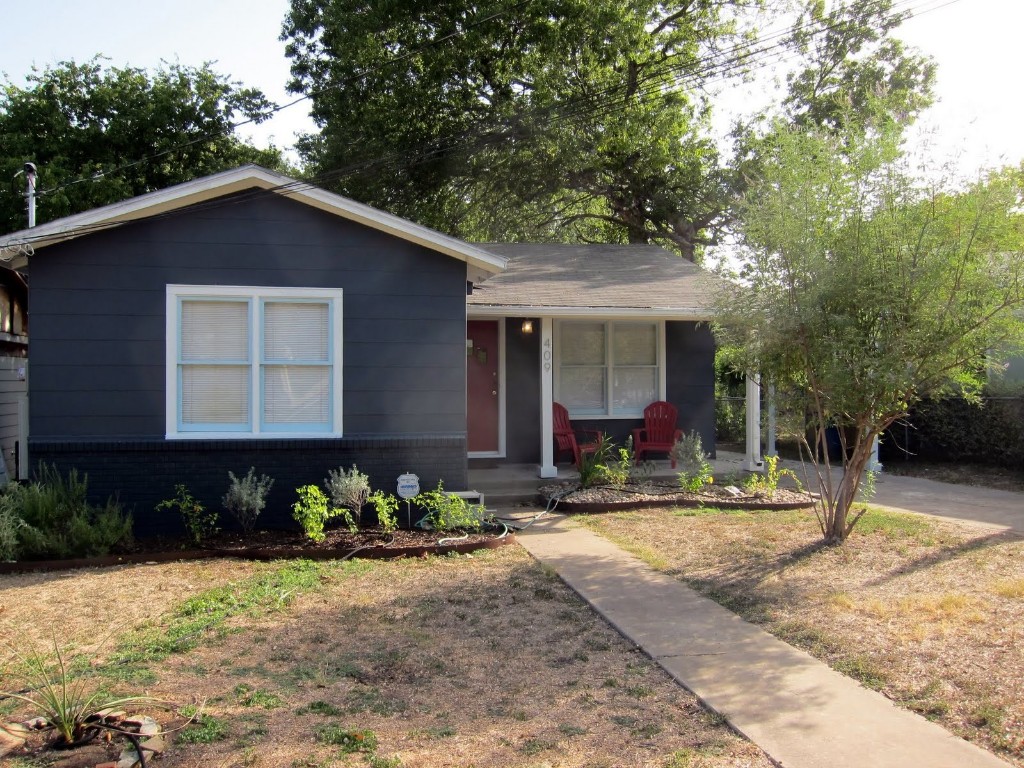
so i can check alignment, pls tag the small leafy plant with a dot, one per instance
(447, 512)
(348, 490)
(312, 511)
(386, 505)
(593, 465)
(768, 483)
(350, 740)
(200, 523)
(689, 455)
(246, 498)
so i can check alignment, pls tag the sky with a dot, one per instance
(976, 121)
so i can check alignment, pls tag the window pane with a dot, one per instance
(215, 330)
(635, 344)
(582, 344)
(634, 389)
(582, 389)
(296, 331)
(296, 394)
(214, 394)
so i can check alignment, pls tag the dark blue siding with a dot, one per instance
(98, 326)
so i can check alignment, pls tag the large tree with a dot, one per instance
(99, 135)
(561, 119)
(868, 290)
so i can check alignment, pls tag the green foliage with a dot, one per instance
(350, 740)
(200, 523)
(447, 512)
(247, 696)
(553, 122)
(348, 490)
(85, 120)
(689, 455)
(203, 728)
(386, 506)
(988, 430)
(866, 291)
(206, 614)
(767, 483)
(247, 497)
(69, 702)
(311, 511)
(593, 465)
(51, 517)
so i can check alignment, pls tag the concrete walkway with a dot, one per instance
(795, 708)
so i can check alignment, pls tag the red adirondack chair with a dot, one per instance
(565, 435)
(659, 432)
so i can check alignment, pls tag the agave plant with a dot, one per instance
(66, 701)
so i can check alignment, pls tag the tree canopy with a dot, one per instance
(869, 289)
(80, 122)
(578, 120)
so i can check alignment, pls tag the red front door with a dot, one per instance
(482, 385)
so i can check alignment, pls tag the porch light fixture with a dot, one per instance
(527, 327)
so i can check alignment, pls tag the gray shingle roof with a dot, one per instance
(559, 279)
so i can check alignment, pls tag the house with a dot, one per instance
(13, 374)
(249, 319)
(603, 329)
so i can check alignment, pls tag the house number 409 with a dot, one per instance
(546, 356)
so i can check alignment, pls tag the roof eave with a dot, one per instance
(239, 180)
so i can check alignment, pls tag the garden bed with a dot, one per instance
(338, 544)
(605, 498)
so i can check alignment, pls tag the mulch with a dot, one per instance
(572, 498)
(338, 544)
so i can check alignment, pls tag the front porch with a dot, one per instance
(508, 485)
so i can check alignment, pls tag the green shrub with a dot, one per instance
(386, 506)
(52, 518)
(694, 468)
(311, 511)
(246, 498)
(348, 490)
(199, 523)
(446, 512)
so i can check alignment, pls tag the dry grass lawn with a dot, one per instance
(480, 661)
(930, 613)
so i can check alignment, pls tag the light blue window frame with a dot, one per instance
(245, 426)
(265, 363)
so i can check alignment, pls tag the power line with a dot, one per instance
(731, 59)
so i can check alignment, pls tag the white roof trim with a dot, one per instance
(666, 313)
(239, 180)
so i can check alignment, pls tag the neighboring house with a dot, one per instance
(248, 319)
(13, 374)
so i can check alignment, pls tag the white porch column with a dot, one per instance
(874, 465)
(753, 462)
(770, 449)
(547, 395)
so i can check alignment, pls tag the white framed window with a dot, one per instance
(247, 361)
(609, 368)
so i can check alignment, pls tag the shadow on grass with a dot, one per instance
(948, 553)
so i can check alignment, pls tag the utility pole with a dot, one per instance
(30, 193)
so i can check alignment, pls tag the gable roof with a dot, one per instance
(559, 280)
(246, 177)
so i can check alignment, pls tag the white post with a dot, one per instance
(753, 461)
(30, 177)
(770, 449)
(547, 396)
(22, 462)
(874, 465)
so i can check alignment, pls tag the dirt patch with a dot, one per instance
(929, 613)
(483, 660)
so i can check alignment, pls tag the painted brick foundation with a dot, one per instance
(142, 473)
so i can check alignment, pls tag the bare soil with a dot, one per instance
(482, 660)
(929, 613)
